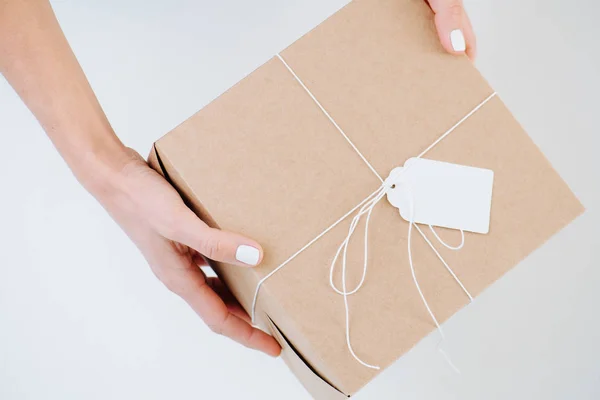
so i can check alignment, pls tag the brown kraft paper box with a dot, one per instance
(263, 160)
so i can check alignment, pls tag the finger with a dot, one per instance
(184, 278)
(214, 244)
(215, 313)
(217, 285)
(199, 259)
(471, 40)
(454, 27)
(230, 301)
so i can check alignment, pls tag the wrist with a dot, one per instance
(99, 167)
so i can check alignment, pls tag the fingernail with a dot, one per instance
(458, 40)
(247, 255)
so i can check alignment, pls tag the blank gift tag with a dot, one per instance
(443, 194)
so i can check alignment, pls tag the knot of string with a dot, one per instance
(365, 207)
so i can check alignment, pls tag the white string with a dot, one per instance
(412, 268)
(416, 282)
(459, 123)
(329, 117)
(366, 207)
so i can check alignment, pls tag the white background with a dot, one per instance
(82, 317)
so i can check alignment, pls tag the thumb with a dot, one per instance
(214, 244)
(454, 27)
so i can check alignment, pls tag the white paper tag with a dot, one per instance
(443, 194)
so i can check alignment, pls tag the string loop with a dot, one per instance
(446, 245)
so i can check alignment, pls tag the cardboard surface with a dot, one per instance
(264, 161)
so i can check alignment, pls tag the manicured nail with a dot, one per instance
(247, 255)
(458, 40)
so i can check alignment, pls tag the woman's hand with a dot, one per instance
(173, 239)
(454, 27)
(38, 62)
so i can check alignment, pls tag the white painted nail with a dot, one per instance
(458, 40)
(247, 255)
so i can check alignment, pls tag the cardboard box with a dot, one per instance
(265, 161)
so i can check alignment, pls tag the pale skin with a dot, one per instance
(37, 61)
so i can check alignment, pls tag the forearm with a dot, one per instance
(37, 61)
